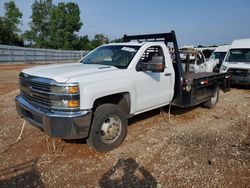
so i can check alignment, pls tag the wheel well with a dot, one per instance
(120, 99)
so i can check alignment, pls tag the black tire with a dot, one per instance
(109, 128)
(211, 103)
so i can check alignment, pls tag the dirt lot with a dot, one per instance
(198, 147)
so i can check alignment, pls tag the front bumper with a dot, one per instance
(240, 80)
(61, 124)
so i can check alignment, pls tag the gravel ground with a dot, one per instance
(197, 147)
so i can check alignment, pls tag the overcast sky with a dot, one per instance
(205, 22)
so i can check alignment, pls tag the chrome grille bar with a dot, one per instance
(38, 86)
(34, 91)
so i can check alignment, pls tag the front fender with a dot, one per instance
(92, 91)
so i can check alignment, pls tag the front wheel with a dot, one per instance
(109, 128)
(211, 103)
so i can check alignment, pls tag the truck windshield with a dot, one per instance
(207, 53)
(218, 55)
(238, 55)
(118, 56)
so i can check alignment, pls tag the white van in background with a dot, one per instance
(237, 61)
(218, 56)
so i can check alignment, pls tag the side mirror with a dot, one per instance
(156, 65)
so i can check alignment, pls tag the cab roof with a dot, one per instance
(222, 48)
(241, 43)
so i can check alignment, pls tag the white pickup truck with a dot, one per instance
(94, 98)
(197, 61)
(207, 51)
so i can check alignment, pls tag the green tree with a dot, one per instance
(99, 39)
(65, 23)
(85, 43)
(117, 40)
(39, 34)
(9, 31)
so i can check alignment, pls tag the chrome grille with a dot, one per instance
(35, 91)
(37, 86)
(239, 72)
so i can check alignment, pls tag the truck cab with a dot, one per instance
(133, 73)
(237, 62)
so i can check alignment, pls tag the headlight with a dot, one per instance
(65, 89)
(64, 104)
(223, 68)
(65, 97)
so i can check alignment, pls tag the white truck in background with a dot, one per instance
(218, 56)
(207, 51)
(196, 60)
(237, 62)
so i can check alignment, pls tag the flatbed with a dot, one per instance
(190, 88)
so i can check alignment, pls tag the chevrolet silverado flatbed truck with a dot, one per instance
(94, 98)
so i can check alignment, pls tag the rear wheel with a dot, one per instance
(109, 128)
(211, 103)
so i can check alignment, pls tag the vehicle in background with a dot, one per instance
(218, 56)
(185, 47)
(237, 62)
(207, 51)
(197, 62)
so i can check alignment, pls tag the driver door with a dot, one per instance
(152, 88)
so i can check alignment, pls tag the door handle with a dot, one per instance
(168, 74)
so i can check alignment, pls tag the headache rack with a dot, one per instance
(159, 37)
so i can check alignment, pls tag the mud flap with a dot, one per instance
(226, 83)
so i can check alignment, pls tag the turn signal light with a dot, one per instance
(73, 89)
(73, 103)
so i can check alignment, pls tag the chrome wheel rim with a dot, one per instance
(111, 129)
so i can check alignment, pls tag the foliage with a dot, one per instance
(65, 22)
(54, 26)
(9, 31)
(117, 40)
(39, 33)
(85, 43)
(51, 26)
(99, 39)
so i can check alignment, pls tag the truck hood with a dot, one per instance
(240, 65)
(63, 72)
